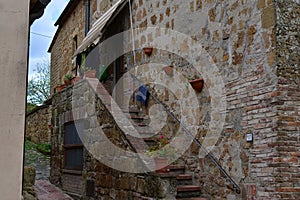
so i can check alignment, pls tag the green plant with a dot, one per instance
(83, 67)
(162, 148)
(192, 77)
(68, 76)
(44, 148)
(67, 79)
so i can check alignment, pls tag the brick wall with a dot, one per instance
(38, 125)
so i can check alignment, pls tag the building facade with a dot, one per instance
(246, 116)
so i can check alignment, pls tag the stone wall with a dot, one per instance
(38, 125)
(97, 180)
(240, 38)
(242, 49)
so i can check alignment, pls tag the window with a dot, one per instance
(75, 43)
(73, 146)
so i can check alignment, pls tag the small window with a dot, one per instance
(75, 43)
(73, 146)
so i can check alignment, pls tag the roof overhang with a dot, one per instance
(37, 8)
(96, 31)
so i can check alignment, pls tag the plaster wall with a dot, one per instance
(13, 58)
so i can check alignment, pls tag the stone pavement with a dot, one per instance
(46, 191)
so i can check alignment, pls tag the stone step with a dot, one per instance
(137, 117)
(141, 124)
(193, 198)
(147, 130)
(187, 191)
(184, 179)
(177, 168)
(150, 141)
(173, 171)
(131, 110)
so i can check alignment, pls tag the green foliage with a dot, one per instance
(45, 148)
(30, 107)
(162, 148)
(32, 156)
(38, 89)
(69, 76)
(29, 145)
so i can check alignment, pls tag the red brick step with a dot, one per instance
(188, 188)
(188, 191)
(193, 198)
(184, 176)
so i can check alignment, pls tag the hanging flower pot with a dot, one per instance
(148, 50)
(197, 84)
(168, 70)
(90, 74)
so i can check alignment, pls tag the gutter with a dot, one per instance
(37, 10)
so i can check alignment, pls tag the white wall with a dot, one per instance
(13, 66)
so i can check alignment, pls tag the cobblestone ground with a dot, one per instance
(45, 190)
(40, 162)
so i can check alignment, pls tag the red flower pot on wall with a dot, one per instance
(197, 84)
(60, 87)
(75, 79)
(168, 70)
(148, 50)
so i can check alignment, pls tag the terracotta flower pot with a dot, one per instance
(197, 84)
(90, 74)
(168, 70)
(60, 87)
(67, 81)
(148, 50)
(75, 79)
(161, 165)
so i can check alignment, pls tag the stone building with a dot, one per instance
(238, 138)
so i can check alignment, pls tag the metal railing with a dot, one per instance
(212, 158)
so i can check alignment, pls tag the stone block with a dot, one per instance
(268, 17)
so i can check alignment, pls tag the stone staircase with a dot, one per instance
(185, 189)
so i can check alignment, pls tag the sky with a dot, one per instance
(43, 26)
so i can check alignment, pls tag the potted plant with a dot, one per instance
(67, 79)
(162, 153)
(196, 82)
(60, 87)
(87, 71)
(148, 50)
(75, 79)
(168, 70)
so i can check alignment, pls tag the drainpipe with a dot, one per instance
(87, 16)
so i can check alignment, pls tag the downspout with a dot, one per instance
(87, 16)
